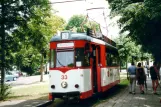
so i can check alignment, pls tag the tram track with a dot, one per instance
(45, 104)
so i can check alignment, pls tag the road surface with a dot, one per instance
(28, 80)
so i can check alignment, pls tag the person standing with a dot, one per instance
(131, 75)
(141, 77)
(146, 70)
(154, 77)
(146, 75)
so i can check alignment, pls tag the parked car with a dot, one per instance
(16, 73)
(10, 77)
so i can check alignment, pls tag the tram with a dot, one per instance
(82, 65)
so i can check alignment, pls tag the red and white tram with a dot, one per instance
(81, 65)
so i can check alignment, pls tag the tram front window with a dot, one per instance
(65, 58)
(52, 54)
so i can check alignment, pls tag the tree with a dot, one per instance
(27, 59)
(129, 50)
(126, 49)
(38, 34)
(142, 19)
(81, 23)
(14, 13)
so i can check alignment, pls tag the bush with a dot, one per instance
(29, 70)
(5, 92)
(37, 73)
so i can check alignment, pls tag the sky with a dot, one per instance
(108, 26)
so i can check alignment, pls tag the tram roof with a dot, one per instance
(81, 36)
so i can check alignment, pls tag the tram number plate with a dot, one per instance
(63, 77)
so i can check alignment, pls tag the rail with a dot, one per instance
(45, 104)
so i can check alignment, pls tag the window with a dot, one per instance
(65, 58)
(108, 59)
(52, 55)
(81, 57)
(112, 58)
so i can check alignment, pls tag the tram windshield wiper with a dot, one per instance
(60, 62)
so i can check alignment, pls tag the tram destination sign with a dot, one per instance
(64, 45)
(64, 35)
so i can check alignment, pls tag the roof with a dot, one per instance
(81, 36)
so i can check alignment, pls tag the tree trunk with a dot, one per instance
(126, 68)
(2, 47)
(126, 64)
(120, 64)
(42, 68)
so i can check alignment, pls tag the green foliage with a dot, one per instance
(37, 35)
(75, 21)
(142, 19)
(27, 59)
(37, 73)
(128, 49)
(29, 25)
(5, 92)
(15, 13)
(80, 24)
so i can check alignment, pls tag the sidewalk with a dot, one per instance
(124, 99)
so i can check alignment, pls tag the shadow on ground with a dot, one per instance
(20, 101)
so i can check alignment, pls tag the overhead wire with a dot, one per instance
(87, 16)
(65, 1)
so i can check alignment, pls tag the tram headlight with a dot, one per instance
(76, 86)
(64, 84)
(52, 86)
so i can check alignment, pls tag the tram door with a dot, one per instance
(95, 57)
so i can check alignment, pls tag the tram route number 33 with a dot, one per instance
(64, 77)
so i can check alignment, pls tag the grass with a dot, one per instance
(30, 92)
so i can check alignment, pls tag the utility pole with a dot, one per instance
(3, 45)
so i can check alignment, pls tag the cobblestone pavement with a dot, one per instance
(124, 99)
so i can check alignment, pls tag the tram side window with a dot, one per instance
(108, 59)
(114, 59)
(81, 57)
(111, 57)
(52, 54)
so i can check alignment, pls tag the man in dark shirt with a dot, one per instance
(154, 77)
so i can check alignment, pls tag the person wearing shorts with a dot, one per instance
(141, 77)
